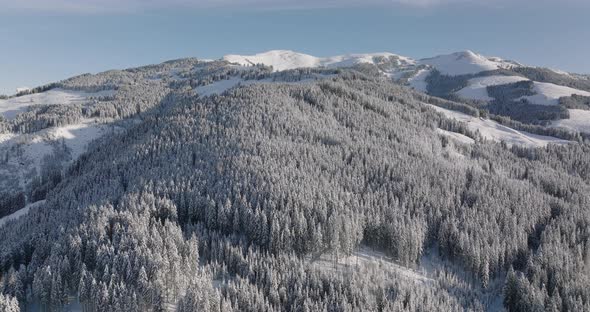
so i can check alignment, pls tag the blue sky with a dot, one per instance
(43, 41)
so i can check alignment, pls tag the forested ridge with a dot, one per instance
(224, 203)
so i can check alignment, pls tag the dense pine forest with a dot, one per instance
(303, 190)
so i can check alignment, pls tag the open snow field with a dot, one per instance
(9, 108)
(477, 88)
(579, 121)
(549, 94)
(494, 131)
(26, 151)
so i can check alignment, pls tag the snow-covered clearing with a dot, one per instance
(549, 94)
(20, 212)
(418, 81)
(9, 108)
(221, 86)
(26, 151)
(494, 131)
(454, 277)
(366, 259)
(432, 271)
(477, 88)
(463, 63)
(218, 87)
(456, 136)
(579, 121)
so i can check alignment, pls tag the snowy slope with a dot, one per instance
(11, 107)
(418, 81)
(463, 63)
(32, 148)
(477, 89)
(494, 131)
(579, 121)
(549, 94)
(20, 213)
(285, 59)
(461, 138)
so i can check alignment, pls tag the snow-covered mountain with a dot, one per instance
(466, 62)
(181, 179)
(461, 76)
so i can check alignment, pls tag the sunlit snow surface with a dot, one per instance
(26, 151)
(549, 94)
(494, 131)
(463, 63)
(284, 59)
(579, 121)
(477, 88)
(11, 107)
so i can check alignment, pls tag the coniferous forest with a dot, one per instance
(301, 190)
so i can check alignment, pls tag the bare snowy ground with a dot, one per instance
(456, 136)
(367, 258)
(432, 271)
(23, 153)
(477, 88)
(418, 81)
(549, 94)
(11, 107)
(579, 121)
(20, 213)
(494, 131)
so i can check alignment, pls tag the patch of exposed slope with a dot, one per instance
(20, 213)
(24, 153)
(477, 88)
(579, 121)
(418, 81)
(494, 131)
(549, 93)
(11, 107)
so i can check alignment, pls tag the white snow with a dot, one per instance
(22, 89)
(579, 121)
(9, 108)
(218, 87)
(456, 136)
(285, 59)
(463, 63)
(549, 94)
(477, 88)
(364, 258)
(36, 146)
(418, 81)
(19, 213)
(494, 131)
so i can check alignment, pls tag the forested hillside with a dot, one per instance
(273, 195)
